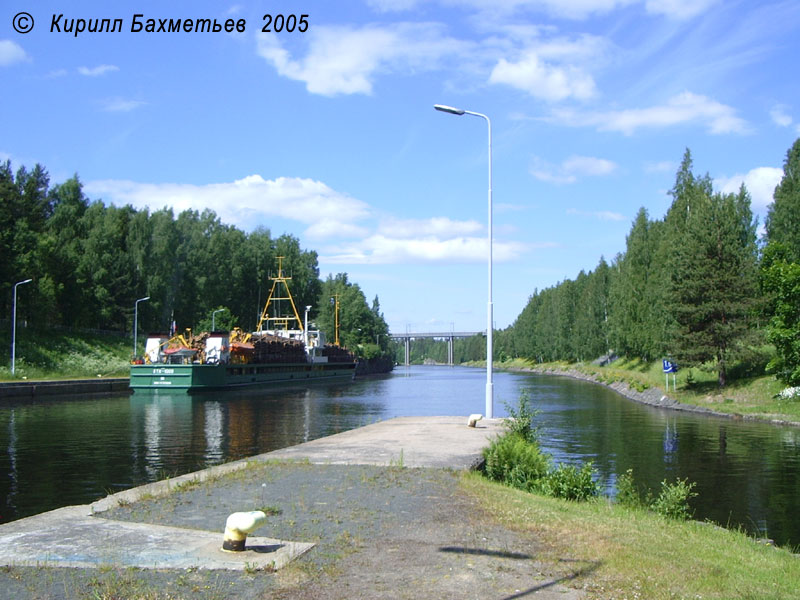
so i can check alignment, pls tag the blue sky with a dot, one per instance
(330, 135)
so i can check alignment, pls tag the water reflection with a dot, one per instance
(74, 451)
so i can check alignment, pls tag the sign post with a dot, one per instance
(670, 367)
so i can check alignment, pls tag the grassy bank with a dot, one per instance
(752, 396)
(617, 552)
(62, 355)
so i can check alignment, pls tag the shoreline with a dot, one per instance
(57, 387)
(651, 396)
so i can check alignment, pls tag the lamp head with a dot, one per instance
(449, 109)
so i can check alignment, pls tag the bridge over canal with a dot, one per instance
(448, 336)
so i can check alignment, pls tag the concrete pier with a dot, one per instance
(78, 536)
(30, 389)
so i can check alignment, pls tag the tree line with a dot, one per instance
(696, 286)
(90, 263)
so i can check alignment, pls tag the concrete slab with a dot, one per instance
(76, 536)
(69, 538)
(442, 442)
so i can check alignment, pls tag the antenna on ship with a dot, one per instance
(279, 321)
(335, 304)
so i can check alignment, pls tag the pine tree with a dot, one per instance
(783, 216)
(781, 271)
(712, 283)
(635, 322)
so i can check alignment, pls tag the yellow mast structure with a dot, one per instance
(279, 322)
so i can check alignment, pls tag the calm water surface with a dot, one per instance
(75, 450)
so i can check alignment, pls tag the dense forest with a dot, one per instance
(90, 263)
(697, 286)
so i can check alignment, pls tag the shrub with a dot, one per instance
(673, 501)
(570, 482)
(520, 418)
(513, 460)
(627, 492)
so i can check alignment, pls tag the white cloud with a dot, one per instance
(780, 115)
(121, 105)
(392, 5)
(679, 110)
(679, 9)
(381, 249)
(760, 182)
(435, 226)
(346, 60)
(10, 53)
(98, 70)
(602, 215)
(325, 213)
(571, 169)
(570, 9)
(544, 81)
(246, 202)
(333, 228)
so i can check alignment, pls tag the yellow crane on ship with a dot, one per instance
(279, 322)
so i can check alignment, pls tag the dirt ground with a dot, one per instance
(380, 532)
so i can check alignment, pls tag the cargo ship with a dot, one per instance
(281, 351)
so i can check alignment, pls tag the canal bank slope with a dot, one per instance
(652, 396)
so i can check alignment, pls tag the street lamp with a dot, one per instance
(489, 320)
(305, 326)
(214, 317)
(14, 323)
(136, 322)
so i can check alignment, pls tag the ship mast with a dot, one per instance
(279, 322)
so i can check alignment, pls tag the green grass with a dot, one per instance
(59, 355)
(633, 553)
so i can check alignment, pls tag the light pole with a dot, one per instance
(489, 320)
(213, 318)
(136, 322)
(305, 326)
(14, 323)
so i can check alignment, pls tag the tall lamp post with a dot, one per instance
(14, 323)
(489, 319)
(136, 323)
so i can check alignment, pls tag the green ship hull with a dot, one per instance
(198, 377)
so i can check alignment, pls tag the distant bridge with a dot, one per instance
(442, 335)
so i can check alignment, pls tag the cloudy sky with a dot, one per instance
(330, 134)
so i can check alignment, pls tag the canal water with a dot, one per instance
(75, 450)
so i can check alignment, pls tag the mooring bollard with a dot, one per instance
(238, 525)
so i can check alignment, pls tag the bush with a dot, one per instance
(673, 501)
(513, 460)
(627, 492)
(520, 418)
(571, 483)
